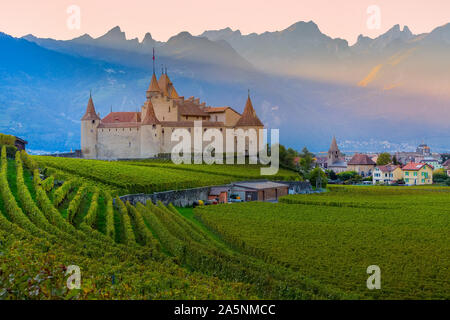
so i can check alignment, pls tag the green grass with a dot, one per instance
(334, 245)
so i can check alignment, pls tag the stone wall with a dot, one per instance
(179, 198)
(186, 197)
(298, 186)
(117, 143)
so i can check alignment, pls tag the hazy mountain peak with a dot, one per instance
(148, 38)
(115, 34)
(302, 26)
(184, 35)
(396, 32)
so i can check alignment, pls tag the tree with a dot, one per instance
(318, 177)
(384, 159)
(347, 175)
(395, 160)
(306, 162)
(440, 175)
(331, 174)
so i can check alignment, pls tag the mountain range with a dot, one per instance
(391, 88)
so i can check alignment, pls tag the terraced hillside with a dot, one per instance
(122, 177)
(124, 252)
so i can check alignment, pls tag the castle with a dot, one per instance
(145, 134)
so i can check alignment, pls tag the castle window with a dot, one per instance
(130, 129)
(129, 144)
(221, 129)
(216, 118)
(186, 117)
(204, 130)
(93, 121)
(169, 109)
(154, 127)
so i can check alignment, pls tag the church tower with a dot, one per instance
(150, 132)
(334, 154)
(89, 125)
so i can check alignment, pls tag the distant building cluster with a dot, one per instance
(412, 168)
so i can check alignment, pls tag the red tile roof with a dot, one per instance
(116, 117)
(361, 159)
(190, 124)
(189, 108)
(249, 117)
(388, 168)
(90, 111)
(446, 163)
(150, 117)
(413, 166)
(154, 85)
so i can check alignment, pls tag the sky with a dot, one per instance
(337, 18)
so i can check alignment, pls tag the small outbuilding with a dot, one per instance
(220, 193)
(20, 144)
(260, 190)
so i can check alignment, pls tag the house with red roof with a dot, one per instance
(417, 173)
(362, 164)
(387, 174)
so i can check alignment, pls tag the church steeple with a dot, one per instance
(334, 154)
(90, 110)
(334, 146)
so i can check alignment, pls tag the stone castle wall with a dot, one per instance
(119, 143)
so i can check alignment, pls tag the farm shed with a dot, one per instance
(260, 190)
(220, 193)
(20, 143)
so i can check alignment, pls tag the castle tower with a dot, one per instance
(150, 132)
(250, 121)
(153, 89)
(334, 154)
(89, 125)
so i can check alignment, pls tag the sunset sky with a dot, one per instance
(336, 18)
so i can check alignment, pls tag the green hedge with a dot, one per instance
(10, 150)
(7, 139)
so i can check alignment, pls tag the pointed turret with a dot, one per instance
(150, 117)
(173, 94)
(163, 84)
(334, 146)
(249, 117)
(90, 111)
(154, 87)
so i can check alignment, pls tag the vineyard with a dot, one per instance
(124, 252)
(55, 213)
(333, 237)
(121, 177)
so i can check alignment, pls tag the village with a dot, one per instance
(399, 168)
